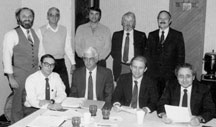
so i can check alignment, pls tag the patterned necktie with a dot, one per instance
(29, 37)
(126, 48)
(134, 95)
(162, 37)
(47, 89)
(90, 87)
(184, 100)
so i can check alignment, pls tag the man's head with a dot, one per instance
(128, 21)
(47, 64)
(25, 17)
(164, 19)
(94, 14)
(53, 15)
(90, 58)
(138, 66)
(185, 74)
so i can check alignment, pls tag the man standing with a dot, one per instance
(44, 88)
(20, 57)
(92, 82)
(165, 49)
(135, 89)
(186, 91)
(126, 44)
(94, 34)
(56, 41)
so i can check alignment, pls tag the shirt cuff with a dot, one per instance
(116, 104)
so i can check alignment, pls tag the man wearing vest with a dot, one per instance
(56, 41)
(20, 57)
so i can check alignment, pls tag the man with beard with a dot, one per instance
(20, 58)
(165, 49)
(126, 44)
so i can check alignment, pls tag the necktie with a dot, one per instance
(184, 100)
(134, 95)
(162, 37)
(29, 37)
(126, 48)
(47, 90)
(90, 87)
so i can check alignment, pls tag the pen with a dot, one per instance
(62, 123)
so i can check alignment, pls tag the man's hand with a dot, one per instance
(73, 67)
(165, 119)
(56, 106)
(145, 110)
(195, 121)
(43, 102)
(116, 107)
(13, 83)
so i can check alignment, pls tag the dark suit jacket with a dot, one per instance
(201, 102)
(163, 59)
(104, 84)
(116, 51)
(147, 95)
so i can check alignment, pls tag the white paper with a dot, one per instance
(128, 109)
(46, 121)
(72, 102)
(68, 114)
(105, 125)
(178, 114)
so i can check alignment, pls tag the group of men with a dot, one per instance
(143, 69)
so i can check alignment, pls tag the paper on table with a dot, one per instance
(105, 125)
(46, 121)
(177, 114)
(72, 102)
(128, 109)
(68, 114)
(99, 104)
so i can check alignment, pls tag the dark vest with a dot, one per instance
(25, 55)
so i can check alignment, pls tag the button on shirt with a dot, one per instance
(166, 31)
(94, 73)
(188, 95)
(138, 86)
(35, 89)
(131, 45)
(11, 39)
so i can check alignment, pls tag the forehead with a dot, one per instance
(89, 54)
(138, 63)
(93, 12)
(53, 11)
(164, 15)
(48, 60)
(128, 18)
(26, 12)
(185, 71)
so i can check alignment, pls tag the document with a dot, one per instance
(46, 121)
(178, 114)
(128, 109)
(99, 104)
(68, 114)
(72, 102)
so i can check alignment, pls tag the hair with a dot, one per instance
(140, 58)
(52, 9)
(92, 50)
(129, 14)
(46, 56)
(18, 11)
(165, 12)
(185, 65)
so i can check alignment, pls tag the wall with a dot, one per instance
(7, 22)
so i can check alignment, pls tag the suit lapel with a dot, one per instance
(169, 35)
(129, 88)
(176, 96)
(99, 78)
(193, 94)
(83, 82)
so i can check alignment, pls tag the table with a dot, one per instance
(128, 120)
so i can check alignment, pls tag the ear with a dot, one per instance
(145, 69)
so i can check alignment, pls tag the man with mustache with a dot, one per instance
(20, 58)
(165, 49)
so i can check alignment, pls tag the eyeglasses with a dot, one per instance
(88, 59)
(46, 64)
(51, 15)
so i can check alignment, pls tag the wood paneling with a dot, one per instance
(192, 23)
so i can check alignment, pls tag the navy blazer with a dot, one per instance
(147, 95)
(140, 41)
(104, 84)
(201, 102)
(163, 59)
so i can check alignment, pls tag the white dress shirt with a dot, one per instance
(68, 47)
(94, 73)
(166, 31)
(35, 89)
(188, 97)
(11, 39)
(131, 45)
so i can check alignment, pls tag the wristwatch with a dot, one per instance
(52, 101)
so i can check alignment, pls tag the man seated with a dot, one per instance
(44, 88)
(136, 89)
(186, 91)
(92, 82)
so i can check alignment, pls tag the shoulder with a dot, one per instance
(104, 70)
(175, 31)
(200, 87)
(62, 27)
(34, 76)
(125, 76)
(11, 33)
(118, 33)
(83, 26)
(79, 70)
(139, 32)
(154, 32)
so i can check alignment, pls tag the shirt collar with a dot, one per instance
(49, 27)
(165, 31)
(93, 71)
(188, 88)
(138, 80)
(131, 32)
(44, 76)
(24, 30)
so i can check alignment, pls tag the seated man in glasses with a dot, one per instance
(92, 82)
(186, 91)
(44, 88)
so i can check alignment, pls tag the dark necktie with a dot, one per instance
(126, 48)
(184, 100)
(90, 87)
(134, 95)
(162, 37)
(29, 37)
(47, 90)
